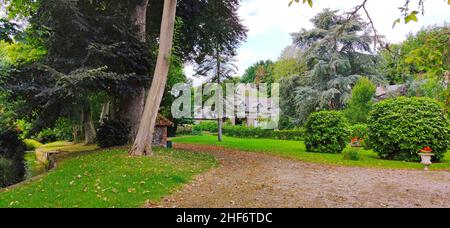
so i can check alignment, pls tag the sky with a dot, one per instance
(270, 23)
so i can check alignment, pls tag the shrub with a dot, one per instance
(31, 144)
(12, 152)
(25, 128)
(359, 130)
(187, 130)
(361, 103)
(62, 131)
(208, 126)
(246, 132)
(326, 132)
(113, 133)
(400, 128)
(47, 136)
(351, 154)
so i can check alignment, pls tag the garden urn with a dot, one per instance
(426, 157)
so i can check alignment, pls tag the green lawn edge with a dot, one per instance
(297, 150)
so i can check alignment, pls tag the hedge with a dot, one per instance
(246, 132)
(400, 128)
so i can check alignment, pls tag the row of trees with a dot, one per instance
(334, 67)
(93, 59)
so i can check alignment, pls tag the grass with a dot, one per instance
(32, 144)
(67, 147)
(109, 179)
(297, 150)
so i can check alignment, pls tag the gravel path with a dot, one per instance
(261, 181)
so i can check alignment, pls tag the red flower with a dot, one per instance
(427, 150)
(356, 139)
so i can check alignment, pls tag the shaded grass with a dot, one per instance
(67, 147)
(109, 178)
(297, 150)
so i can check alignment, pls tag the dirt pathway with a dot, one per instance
(255, 180)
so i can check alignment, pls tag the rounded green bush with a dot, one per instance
(326, 132)
(400, 128)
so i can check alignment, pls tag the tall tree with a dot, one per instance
(334, 63)
(226, 32)
(143, 143)
(217, 68)
(260, 72)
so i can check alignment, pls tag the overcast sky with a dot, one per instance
(270, 23)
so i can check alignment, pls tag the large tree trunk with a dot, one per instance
(143, 143)
(88, 125)
(132, 107)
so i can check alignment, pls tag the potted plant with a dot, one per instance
(426, 154)
(357, 142)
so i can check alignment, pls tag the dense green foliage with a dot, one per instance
(400, 128)
(360, 105)
(326, 132)
(113, 133)
(12, 161)
(286, 68)
(351, 154)
(246, 132)
(260, 72)
(425, 55)
(334, 64)
(208, 126)
(422, 62)
(360, 131)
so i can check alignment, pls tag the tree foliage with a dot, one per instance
(260, 72)
(360, 105)
(334, 64)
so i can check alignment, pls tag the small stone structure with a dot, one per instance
(160, 135)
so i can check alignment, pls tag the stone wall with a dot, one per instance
(160, 137)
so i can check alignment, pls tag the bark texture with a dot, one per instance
(132, 107)
(88, 125)
(143, 143)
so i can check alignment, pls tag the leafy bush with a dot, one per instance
(351, 154)
(359, 131)
(326, 132)
(47, 136)
(361, 103)
(400, 128)
(12, 162)
(113, 133)
(187, 130)
(32, 144)
(246, 132)
(208, 126)
(62, 131)
(25, 128)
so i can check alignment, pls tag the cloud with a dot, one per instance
(270, 23)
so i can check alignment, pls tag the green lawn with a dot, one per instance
(67, 147)
(297, 150)
(108, 179)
